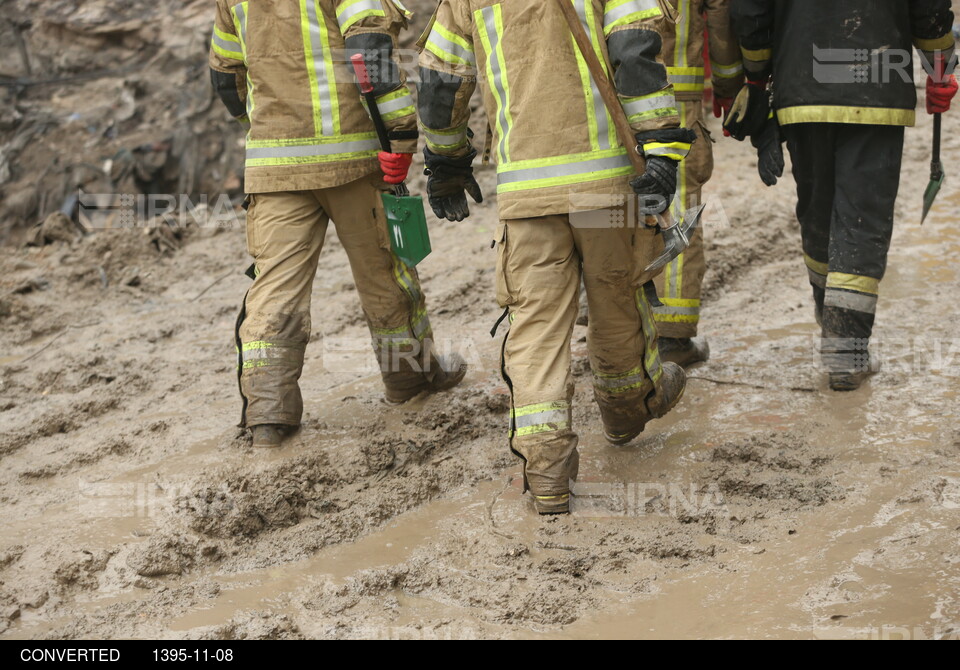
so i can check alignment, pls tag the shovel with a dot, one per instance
(937, 177)
(676, 236)
(406, 219)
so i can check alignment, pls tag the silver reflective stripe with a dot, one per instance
(452, 47)
(270, 354)
(320, 67)
(621, 382)
(727, 70)
(564, 170)
(599, 108)
(227, 45)
(344, 16)
(817, 279)
(650, 104)
(490, 21)
(665, 151)
(241, 12)
(614, 15)
(421, 327)
(560, 416)
(395, 105)
(445, 140)
(308, 150)
(686, 78)
(677, 311)
(858, 302)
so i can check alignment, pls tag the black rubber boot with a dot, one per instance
(684, 351)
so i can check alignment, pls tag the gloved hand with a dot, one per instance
(721, 110)
(449, 179)
(749, 111)
(940, 89)
(395, 166)
(657, 186)
(769, 152)
(663, 150)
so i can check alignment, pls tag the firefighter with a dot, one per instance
(843, 92)
(567, 206)
(679, 286)
(282, 69)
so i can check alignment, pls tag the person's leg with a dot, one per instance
(679, 287)
(812, 152)
(285, 234)
(538, 278)
(390, 294)
(868, 177)
(631, 384)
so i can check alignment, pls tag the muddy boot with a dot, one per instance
(448, 371)
(846, 380)
(673, 384)
(548, 469)
(270, 436)
(684, 351)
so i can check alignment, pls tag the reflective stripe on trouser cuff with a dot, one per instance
(661, 103)
(858, 302)
(445, 140)
(624, 12)
(677, 310)
(540, 418)
(619, 383)
(856, 283)
(352, 11)
(818, 271)
(263, 354)
(562, 170)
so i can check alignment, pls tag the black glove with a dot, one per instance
(749, 111)
(769, 152)
(658, 185)
(448, 181)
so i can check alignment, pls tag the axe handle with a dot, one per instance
(937, 127)
(607, 90)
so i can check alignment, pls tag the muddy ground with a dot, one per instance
(764, 506)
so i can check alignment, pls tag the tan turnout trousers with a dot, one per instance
(679, 286)
(285, 235)
(538, 279)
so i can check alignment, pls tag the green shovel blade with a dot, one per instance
(407, 225)
(933, 188)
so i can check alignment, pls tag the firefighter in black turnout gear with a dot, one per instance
(841, 73)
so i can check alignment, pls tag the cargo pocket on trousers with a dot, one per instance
(505, 294)
(700, 161)
(253, 232)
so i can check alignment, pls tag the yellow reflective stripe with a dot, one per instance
(652, 361)
(450, 47)
(858, 283)
(816, 266)
(489, 23)
(562, 170)
(878, 116)
(624, 12)
(403, 10)
(726, 71)
(586, 82)
(354, 11)
(686, 79)
(540, 418)
(936, 44)
(674, 150)
(227, 45)
(445, 140)
(560, 497)
(652, 106)
(756, 55)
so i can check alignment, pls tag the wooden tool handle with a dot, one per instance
(607, 90)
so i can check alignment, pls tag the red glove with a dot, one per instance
(395, 166)
(721, 107)
(940, 88)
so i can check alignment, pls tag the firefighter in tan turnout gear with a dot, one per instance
(282, 69)
(566, 206)
(679, 286)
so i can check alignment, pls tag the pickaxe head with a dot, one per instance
(937, 178)
(676, 238)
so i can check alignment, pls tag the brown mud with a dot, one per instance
(764, 506)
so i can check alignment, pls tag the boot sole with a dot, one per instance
(619, 441)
